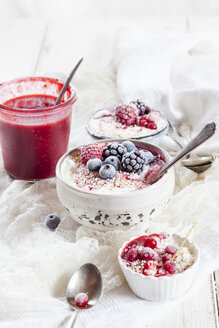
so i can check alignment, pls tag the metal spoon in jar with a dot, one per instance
(67, 82)
(205, 134)
(87, 279)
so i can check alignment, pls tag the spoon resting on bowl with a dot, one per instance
(86, 281)
(205, 134)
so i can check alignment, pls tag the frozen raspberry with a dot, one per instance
(126, 115)
(170, 267)
(91, 151)
(81, 300)
(150, 242)
(132, 255)
(147, 122)
(170, 249)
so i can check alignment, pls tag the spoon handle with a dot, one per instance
(65, 86)
(72, 319)
(205, 133)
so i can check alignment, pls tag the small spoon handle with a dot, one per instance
(65, 86)
(72, 319)
(205, 133)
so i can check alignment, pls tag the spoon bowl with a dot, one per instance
(87, 279)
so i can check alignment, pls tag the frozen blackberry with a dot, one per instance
(142, 108)
(114, 149)
(133, 162)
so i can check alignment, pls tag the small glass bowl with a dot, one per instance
(153, 137)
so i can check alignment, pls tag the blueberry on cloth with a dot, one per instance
(114, 161)
(52, 221)
(107, 171)
(149, 157)
(94, 164)
(129, 146)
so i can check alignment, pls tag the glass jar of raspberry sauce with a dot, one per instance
(34, 132)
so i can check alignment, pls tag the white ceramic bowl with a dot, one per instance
(113, 211)
(161, 288)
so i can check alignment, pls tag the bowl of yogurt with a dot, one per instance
(133, 121)
(104, 185)
(159, 267)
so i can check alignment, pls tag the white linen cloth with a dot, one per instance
(175, 73)
(36, 263)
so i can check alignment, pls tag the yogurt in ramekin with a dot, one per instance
(157, 268)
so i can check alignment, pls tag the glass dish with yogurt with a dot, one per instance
(133, 121)
(104, 191)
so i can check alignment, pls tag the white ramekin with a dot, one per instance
(161, 288)
(103, 211)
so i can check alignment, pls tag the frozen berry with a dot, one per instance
(52, 221)
(126, 115)
(81, 300)
(94, 164)
(132, 255)
(133, 162)
(166, 257)
(107, 171)
(150, 242)
(147, 122)
(129, 146)
(91, 151)
(170, 267)
(146, 253)
(114, 149)
(150, 268)
(149, 157)
(170, 249)
(142, 108)
(114, 161)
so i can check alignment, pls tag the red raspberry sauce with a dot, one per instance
(32, 151)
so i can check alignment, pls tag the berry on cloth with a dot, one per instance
(133, 162)
(91, 151)
(81, 300)
(126, 115)
(142, 108)
(147, 122)
(129, 146)
(114, 149)
(114, 161)
(94, 164)
(52, 221)
(107, 171)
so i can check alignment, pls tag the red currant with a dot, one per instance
(146, 253)
(132, 255)
(170, 267)
(150, 242)
(81, 300)
(170, 249)
(166, 257)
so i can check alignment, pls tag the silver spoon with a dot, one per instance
(205, 134)
(197, 164)
(87, 279)
(65, 86)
